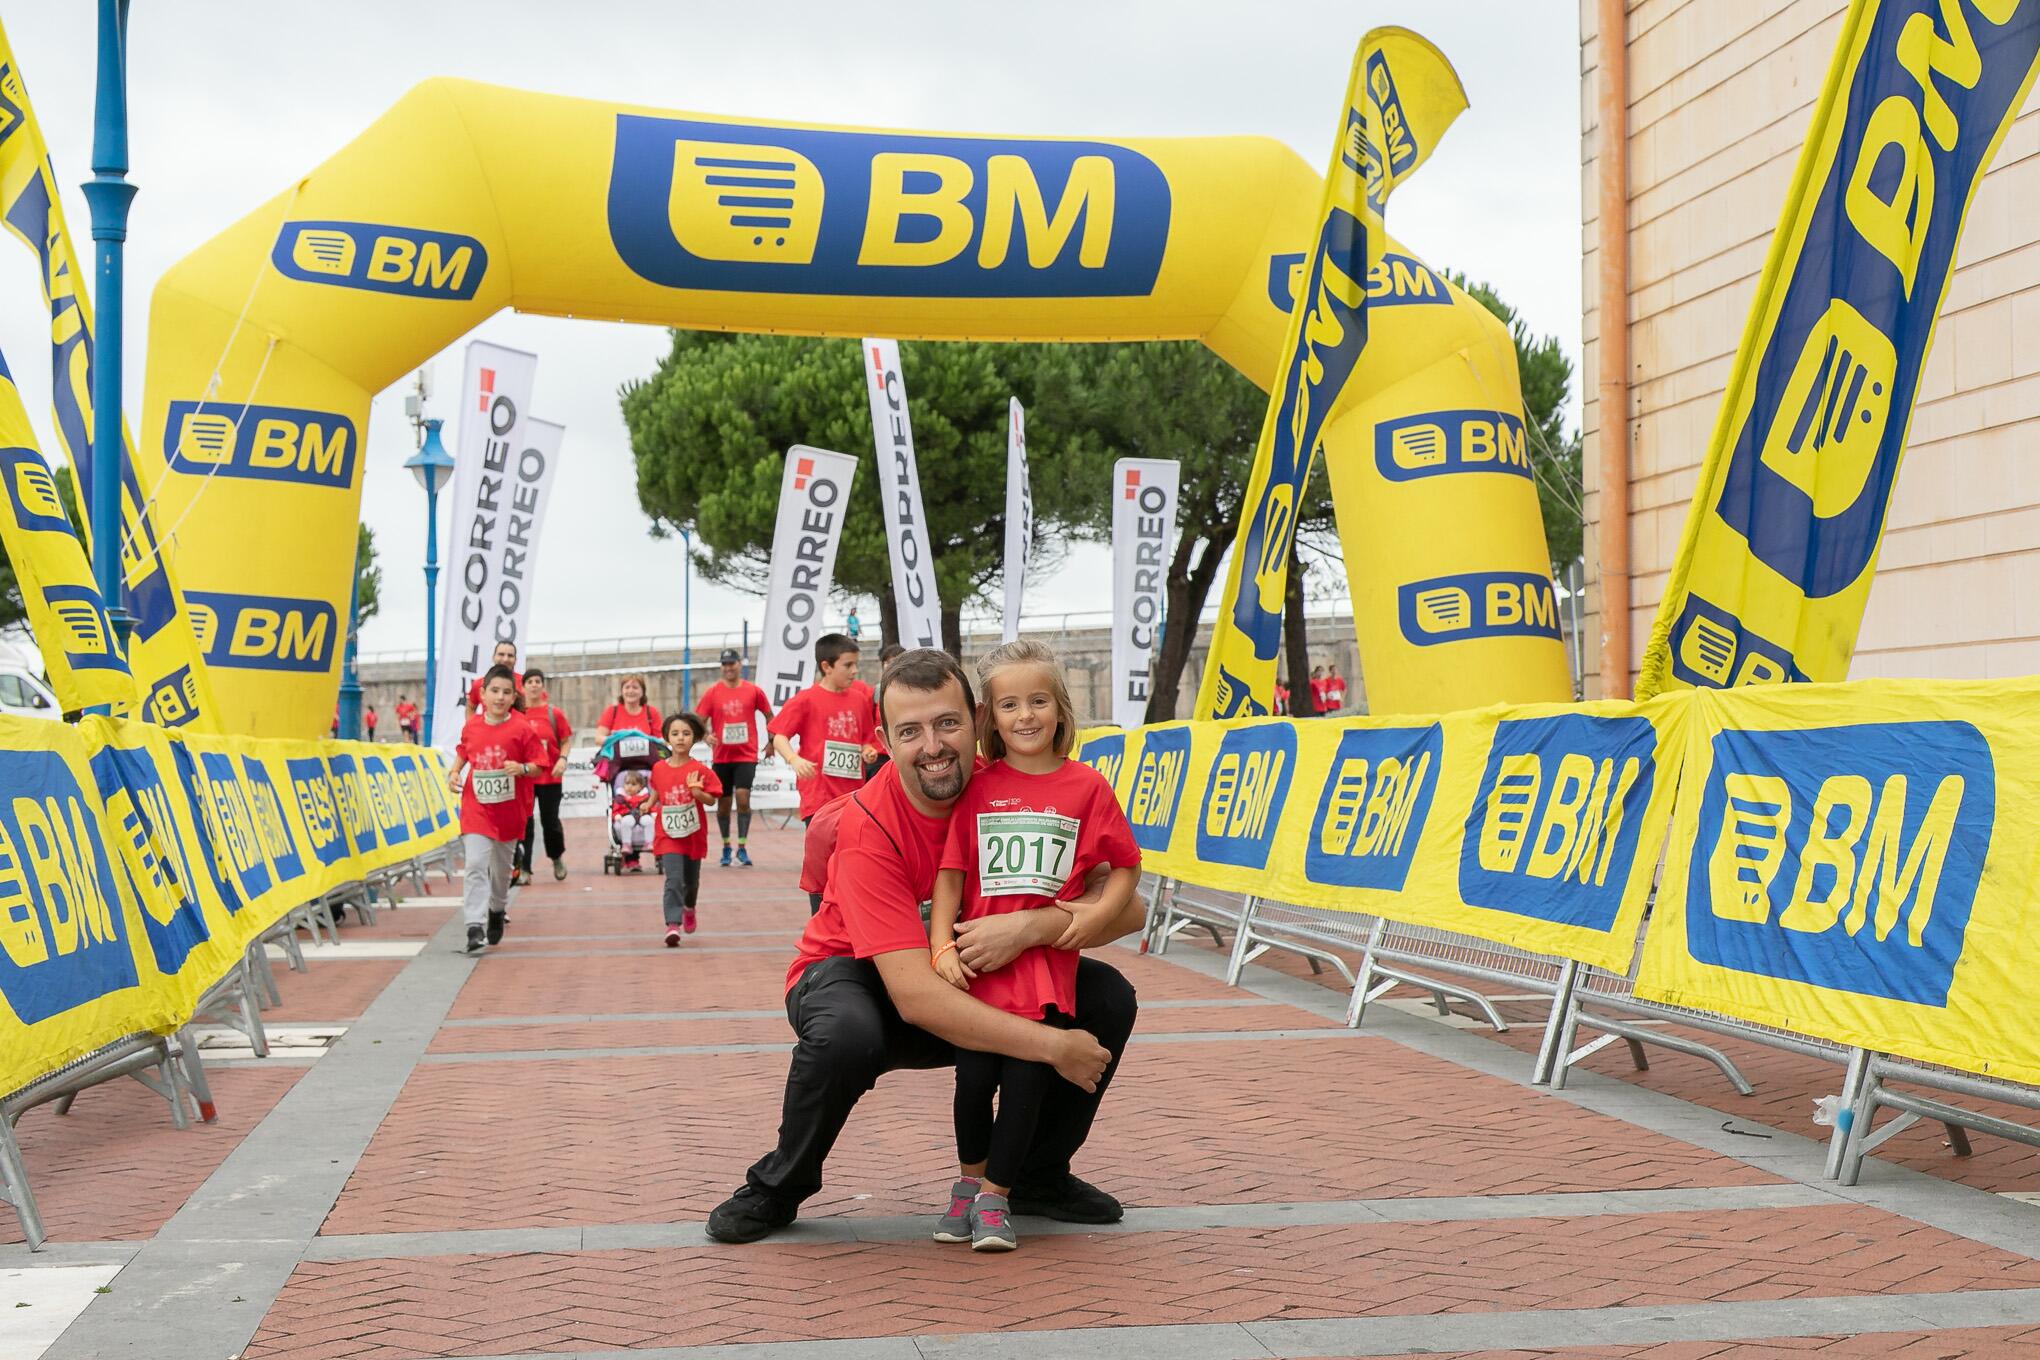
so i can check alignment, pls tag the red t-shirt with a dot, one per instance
(475, 692)
(727, 707)
(624, 804)
(887, 852)
(669, 790)
(819, 844)
(619, 719)
(1036, 835)
(832, 730)
(407, 715)
(1335, 692)
(503, 805)
(552, 729)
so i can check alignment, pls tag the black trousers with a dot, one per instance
(1001, 1143)
(851, 1035)
(545, 811)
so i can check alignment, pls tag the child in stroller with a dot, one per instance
(623, 764)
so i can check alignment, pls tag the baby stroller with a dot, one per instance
(622, 753)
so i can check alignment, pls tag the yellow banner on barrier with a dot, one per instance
(163, 648)
(1774, 565)
(66, 613)
(137, 865)
(1401, 96)
(1857, 863)
(1536, 826)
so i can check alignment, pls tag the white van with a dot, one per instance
(24, 696)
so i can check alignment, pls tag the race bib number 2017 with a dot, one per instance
(1025, 852)
(843, 760)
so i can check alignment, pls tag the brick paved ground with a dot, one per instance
(537, 1135)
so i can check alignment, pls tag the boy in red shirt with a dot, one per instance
(498, 752)
(554, 732)
(1025, 834)
(407, 718)
(681, 786)
(729, 705)
(825, 730)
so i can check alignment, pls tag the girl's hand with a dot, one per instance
(951, 970)
(453, 783)
(559, 768)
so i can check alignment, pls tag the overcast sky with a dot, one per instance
(232, 101)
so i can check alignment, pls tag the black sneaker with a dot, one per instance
(1068, 1200)
(475, 942)
(749, 1215)
(497, 920)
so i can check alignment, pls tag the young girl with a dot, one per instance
(681, 786)
(1026, 831)
(630, 712)
(498, 752)
(631, 814)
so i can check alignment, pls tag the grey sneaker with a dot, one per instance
(474, 940)
(991, 1224)
(954, 1226)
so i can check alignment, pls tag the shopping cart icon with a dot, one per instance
(1708, 650)
(1507, 825)
(1750, 846)
(1445, 610)
(205, 623)
(1829, 425)
(83, 619)
(1416, 447)
(745, 203)
(321, 251)
(205, 437)
(35, 491)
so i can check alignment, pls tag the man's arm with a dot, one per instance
(927, 1002)
(988, 943)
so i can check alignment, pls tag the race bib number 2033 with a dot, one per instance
(1025, 852)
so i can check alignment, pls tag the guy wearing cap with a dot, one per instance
(728, 705)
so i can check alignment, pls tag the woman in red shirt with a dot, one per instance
(553, 732)
(681, 787)
(498, 752)
(1026, 831)
(630, 712)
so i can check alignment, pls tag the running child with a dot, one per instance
(631, 814)
(498, 753)
(729, 706)
(825, 731)
(1026, 831)
(681, 787)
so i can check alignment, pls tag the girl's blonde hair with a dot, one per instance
(1024, 652)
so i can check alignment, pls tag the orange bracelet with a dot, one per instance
(940, 952)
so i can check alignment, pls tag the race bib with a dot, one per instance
(736, 734)
(631, 747)
(1025, 852)
(680, 820)
(492, 786)
(843, 760)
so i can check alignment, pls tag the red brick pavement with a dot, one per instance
(383, 1309)
(115, 1169)
(2005, 1343)
(329, 988)
(652, 1139)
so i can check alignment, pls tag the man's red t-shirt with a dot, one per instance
(493, 804)
(475, 690)
(728, 708)
(831, 729)
(819, 844)
(407, 715)
(553, 731)
(887, 851)
(1024, 841)
(617, 718)
(671, 804)
(1335, 692)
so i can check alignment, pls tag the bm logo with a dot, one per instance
(1243, 797)
(404, 261)
(1371, 813)
(1392, 281)
(263, 632)
(268, 443)
(1437, 442)
(1553, 827)
(1841, 858)
(1480, 604)
(1106, 755)
(1712, 650)
(60, 911)
(1157, 789)
(740, 208)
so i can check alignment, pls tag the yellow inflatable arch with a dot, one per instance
(466, 198)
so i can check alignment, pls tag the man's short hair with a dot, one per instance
(888, 652)
(924, 670)
(830, 646)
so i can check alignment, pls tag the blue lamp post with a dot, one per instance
(108, 194)
(432, 465)
(687, 623)
(350, 678)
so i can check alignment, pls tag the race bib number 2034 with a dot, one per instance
(1025, 852)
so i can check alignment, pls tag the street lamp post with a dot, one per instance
(350, 678)
(687, 622)
(108, 194)
(432, 466)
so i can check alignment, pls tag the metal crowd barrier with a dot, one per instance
(170, 1065)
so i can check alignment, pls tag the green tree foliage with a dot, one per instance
(1547, 376)
(12, 609)
(367, 577)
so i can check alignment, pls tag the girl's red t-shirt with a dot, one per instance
(1025, 841)
(494, 804)
(671, 802)
(553, 731)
